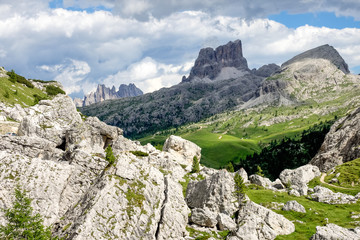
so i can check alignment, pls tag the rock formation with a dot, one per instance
(103, 93)
(322, 52)
(340, 144)
(298, 178)
(325, 195)
(211, 62)
(220, 80)
(333, 231)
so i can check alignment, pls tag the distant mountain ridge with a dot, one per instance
(220, 81)
(104, 93)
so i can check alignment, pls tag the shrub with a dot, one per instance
(54, 90)
(196, 165)
(109, 155)
(13, 77)
(37, 98)
(6, 94)
(139, 153)
(22, 222)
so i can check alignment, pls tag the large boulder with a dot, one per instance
(50, 119)
(325, 195)
(298, 178)
(266, 183)
(341, 144)
(215, 193)
(203, 217)
(185, 148)
(294, 206)
(257, 222)
(335, 232)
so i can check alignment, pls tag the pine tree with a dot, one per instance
(22, 222)
(196, 165)
(239, 186)
(230, 167)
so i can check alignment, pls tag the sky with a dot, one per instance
(153, 43)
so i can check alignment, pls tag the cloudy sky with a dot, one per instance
(153, 43)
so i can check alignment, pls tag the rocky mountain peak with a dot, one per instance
(104, 93)
(210, 62)
(325, 52)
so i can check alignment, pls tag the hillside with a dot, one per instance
(304, 92)
(220, 80)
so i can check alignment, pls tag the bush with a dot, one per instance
(6, 94)
(196, 165)
(13, 77)
(22, 222)
(38, 98)
(54, 90)
(139, 153)
(109, 155)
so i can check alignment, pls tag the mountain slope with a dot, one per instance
(299, 95)
(219, 81)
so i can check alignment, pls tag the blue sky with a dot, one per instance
(153, 43)
(317, 19)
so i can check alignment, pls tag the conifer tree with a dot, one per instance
(22, 222)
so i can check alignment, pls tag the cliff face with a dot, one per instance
(104, 93)
(341, 144)
(210, 62)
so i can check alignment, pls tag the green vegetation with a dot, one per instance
(22, 222)
(349, 175)
(52, 90)
(109, 155)
(16, 93)
(199, 235)
(230, 167)
(316, 213)
(287, 153)
(13, 77)
(195, 165)
(139, 153)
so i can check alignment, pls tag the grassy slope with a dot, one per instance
(18, 93)
(315, 212)
(243, 131)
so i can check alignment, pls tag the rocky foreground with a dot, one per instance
(58, 157)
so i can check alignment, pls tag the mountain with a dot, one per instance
(103, 93)
(296, 97)
(219, 81)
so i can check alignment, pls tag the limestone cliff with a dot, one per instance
(58, 157)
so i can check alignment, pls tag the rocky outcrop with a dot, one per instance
(210, 62)
(215, 193)
(298, 178)
(325, 52)
(341, 144)
(266, 70)
(257, 222)
(333, 231)
(73, 187)
(178, 145)
(325, 195)
(266, 183)
(103, 93)
(294, 206)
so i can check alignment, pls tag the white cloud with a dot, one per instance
(152, 53)
(69, 73)
(149, 75)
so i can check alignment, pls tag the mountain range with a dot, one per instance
(220, 80)
(103, 93)
(82, 179)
